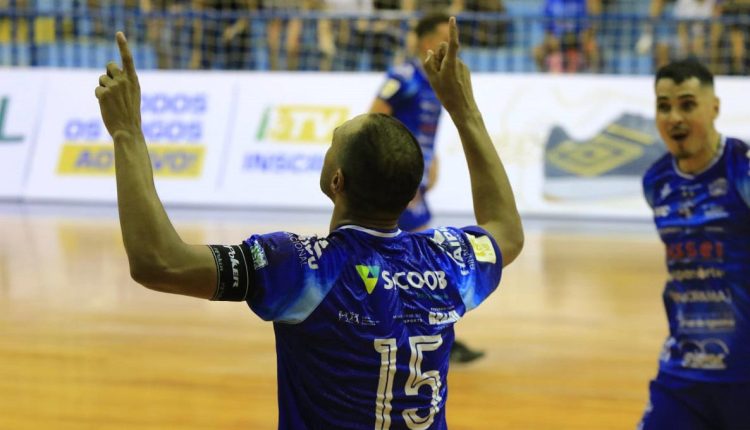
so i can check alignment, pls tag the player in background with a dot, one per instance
(700, 195)
(408, 96)
(363, 317)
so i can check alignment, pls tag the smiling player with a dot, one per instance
(700, 195)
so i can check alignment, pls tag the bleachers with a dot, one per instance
(68, 33)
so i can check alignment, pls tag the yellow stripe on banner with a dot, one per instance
(168, 161)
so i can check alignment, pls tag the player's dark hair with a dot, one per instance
(430, 22)
(682, 70)
(382, 165)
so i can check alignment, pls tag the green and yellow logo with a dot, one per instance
(301, 123)
(168, 161)
(369, 275)
(3, 110)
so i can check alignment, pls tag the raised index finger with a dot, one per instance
(453, 40)
(127, 58)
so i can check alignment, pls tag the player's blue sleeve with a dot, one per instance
(648, 190)
(285, 286)
(741, 172)
(399, 85)
(479, 261)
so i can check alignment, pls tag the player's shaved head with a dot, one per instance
(381, 162)
(683, 70)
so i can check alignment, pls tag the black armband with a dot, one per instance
(234, 274)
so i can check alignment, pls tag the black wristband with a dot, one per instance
(232, 271)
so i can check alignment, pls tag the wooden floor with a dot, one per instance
(572, 336)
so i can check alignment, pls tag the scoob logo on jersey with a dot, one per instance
(371, 275)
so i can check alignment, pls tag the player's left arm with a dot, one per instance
(381, 106)
(158, 257)
(742, 176)
(391, 93)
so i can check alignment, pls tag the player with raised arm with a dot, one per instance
(408, 96)
(700, 195)
(363, 317)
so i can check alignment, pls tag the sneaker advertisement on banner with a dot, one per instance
(574, 146)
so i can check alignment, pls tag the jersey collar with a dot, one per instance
(717, 157)
(370, 231)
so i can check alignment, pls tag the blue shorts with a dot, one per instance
(684, 404)
(417, 215)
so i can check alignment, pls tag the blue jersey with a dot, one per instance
(704, 222)
(415, 104)
(364, 320)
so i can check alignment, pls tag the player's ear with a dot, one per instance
(337, 182)
(717, 107)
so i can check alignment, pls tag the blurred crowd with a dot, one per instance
(691, 28)
(373, 34)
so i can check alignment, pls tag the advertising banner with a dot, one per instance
(185, 120)
(573, 146)
(21, 97)
(284, 126)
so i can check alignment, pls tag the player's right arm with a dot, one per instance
(158, 257)
(494, 205)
